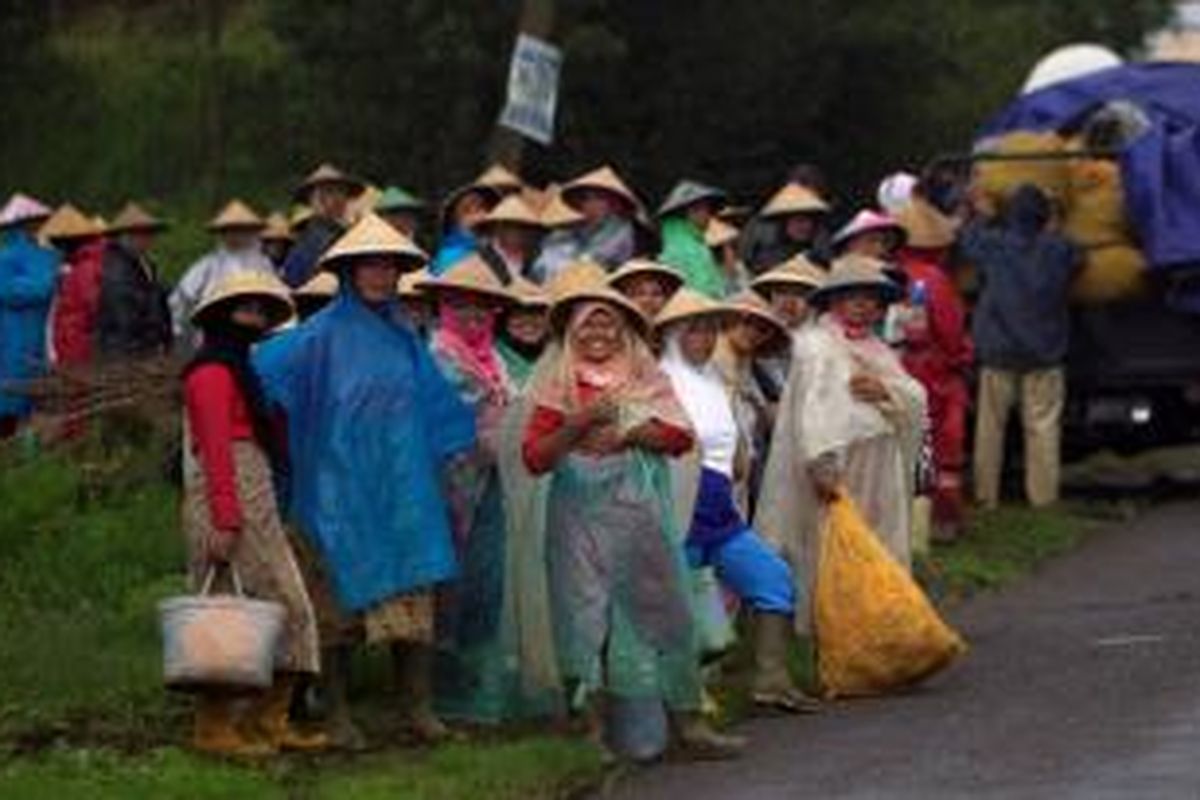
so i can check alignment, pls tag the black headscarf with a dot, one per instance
(228, 344)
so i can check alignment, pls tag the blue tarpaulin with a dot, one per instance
(1160, 169)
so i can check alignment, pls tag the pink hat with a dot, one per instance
(866, 221)
(22, 208)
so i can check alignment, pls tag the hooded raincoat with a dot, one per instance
(28, 274)
(372, 422)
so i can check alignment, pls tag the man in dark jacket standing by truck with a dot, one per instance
(1020, 330)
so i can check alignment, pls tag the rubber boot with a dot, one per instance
(697, 739)
(343, 733)
(216, 731)
(414, 677)
(773, 686)
(272, 718)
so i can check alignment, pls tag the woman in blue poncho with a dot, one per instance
(372, 423)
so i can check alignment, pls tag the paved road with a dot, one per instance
(1083, 682)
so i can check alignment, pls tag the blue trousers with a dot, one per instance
(752, 570)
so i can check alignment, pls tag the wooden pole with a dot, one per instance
(507, 146)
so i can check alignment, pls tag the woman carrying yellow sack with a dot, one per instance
(849, 426)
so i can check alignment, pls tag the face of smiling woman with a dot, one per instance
(598, 337)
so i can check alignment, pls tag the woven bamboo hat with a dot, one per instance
(236, 215)
(644, 266)
(323, 284)
(394, 199)
(735, 215)
(409, 285)
(133, 218)
(471, 275)
(372, 236)
(604, 179)
(583, 281)
(555, 211)
(277, 228)
(689, 193)
(856, 272)
(327, 175)
(749, 303)
(22, 208)
(794, 199)
(246, 284)
(527, 294)
(688, 304)
(512, 210)
(491, 194)
(797, 271)
(927, 228)
(720, 233)
(500, 178)
(68, 222)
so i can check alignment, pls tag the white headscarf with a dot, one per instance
(705, 397)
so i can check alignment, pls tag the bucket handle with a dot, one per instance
(211, 575)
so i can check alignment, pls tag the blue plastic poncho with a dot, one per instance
(28, 275)
(371, 424)
(1160, 169)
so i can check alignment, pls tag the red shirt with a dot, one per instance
(217, 417)
(944, 350)
(74, 323)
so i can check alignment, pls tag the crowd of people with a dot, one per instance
(549, 460)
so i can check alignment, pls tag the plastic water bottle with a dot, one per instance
(916, 325)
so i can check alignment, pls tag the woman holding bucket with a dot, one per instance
(230, 512)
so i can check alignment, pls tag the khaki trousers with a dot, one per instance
(1040, 394)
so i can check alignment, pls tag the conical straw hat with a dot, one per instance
(135, 218)
(323, 284)
(512, 210)
(605, 179)
(735, 215)
(556, 213)
(396, 199)
(719, 233)
(866, 221)
(644, 266)
(927, 228)
(372, 236)
(583, 281)
(856, 272)
(327, 174)
(277, 228)
(794, 199)
(688, 304)
(363, 203)
(492, 194)
(472, 275)
(236, 215)
(248, 283)
(22, 208)
(68, 222)
(409, 285)
(796, 271)
(689, 192)
(750, 303)
(500, 178)
(527, 294)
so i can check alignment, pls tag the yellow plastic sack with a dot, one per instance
(997, 180)
(875, 629)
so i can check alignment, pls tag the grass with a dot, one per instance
(1000, 547)
(89, 543)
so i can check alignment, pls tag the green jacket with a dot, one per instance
(685, 250)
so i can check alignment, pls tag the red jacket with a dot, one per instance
(217, 417)
(943, 350)
(74, 321)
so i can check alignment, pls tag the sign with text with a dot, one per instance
(533, 89)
